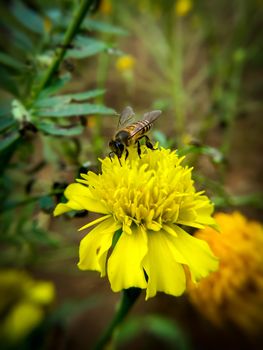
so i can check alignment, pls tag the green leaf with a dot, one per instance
(5, 110)
(167, 330)
(28, 18)
(161, 138)
(74, 109)
(8, 140)
(60, 131)
(11, 62)
(7, 82)
(85, 47)
(71, 308)
(22, 41)
(63, 99)
(19, 111)
(6, 123)
(216, 156)
(46, 203)
(91, 24)
(55, 86)
(161, 327)
(39, 236)
(252, 200)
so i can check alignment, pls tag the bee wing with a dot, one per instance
(152, 116)
(126, 117)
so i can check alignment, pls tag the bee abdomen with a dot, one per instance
(145, 125)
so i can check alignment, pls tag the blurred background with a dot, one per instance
(62, 85)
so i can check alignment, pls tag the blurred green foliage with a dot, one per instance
(158, 326)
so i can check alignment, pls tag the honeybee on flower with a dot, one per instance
(144, 202)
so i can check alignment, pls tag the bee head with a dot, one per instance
(116, 147)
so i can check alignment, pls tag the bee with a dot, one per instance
(130, 133)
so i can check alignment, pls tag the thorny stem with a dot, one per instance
(72, 30)
(129, 296)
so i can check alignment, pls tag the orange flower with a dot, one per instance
(234, 292)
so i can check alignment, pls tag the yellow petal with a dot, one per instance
(62, 208)
(169, 229)
(193, 252)
(95, 245)
(76, 189)
(164, 272)
(95, 222)
(125, 263)
(79, 198)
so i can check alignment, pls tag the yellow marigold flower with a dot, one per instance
(125, 63)
(147, 199)
(21, 320)
(22, 303)
(183, 7)
(234, 292)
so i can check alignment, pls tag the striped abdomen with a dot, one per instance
(137, 130)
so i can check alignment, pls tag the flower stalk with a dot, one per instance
(129, 297)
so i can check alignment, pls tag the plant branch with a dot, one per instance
(72, 30)
(129, 297)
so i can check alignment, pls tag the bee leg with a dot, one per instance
(148, 143)
(139, 149)
(119, 161)
(110, 155)
(126, 154)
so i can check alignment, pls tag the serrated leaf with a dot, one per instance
(60, 131)
(11, 62)
(63, 99)
(73, 109)
(27, 17)
(8, 140)
(85, 47)
(91, 24)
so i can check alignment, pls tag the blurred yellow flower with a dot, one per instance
(47, 24)
(183, 7)
(234, 292)
(125, 63)
(22, 303)
(91, 121)
(147, 200)
(105, 7)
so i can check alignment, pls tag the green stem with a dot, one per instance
(72, 30)
(129, 296)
